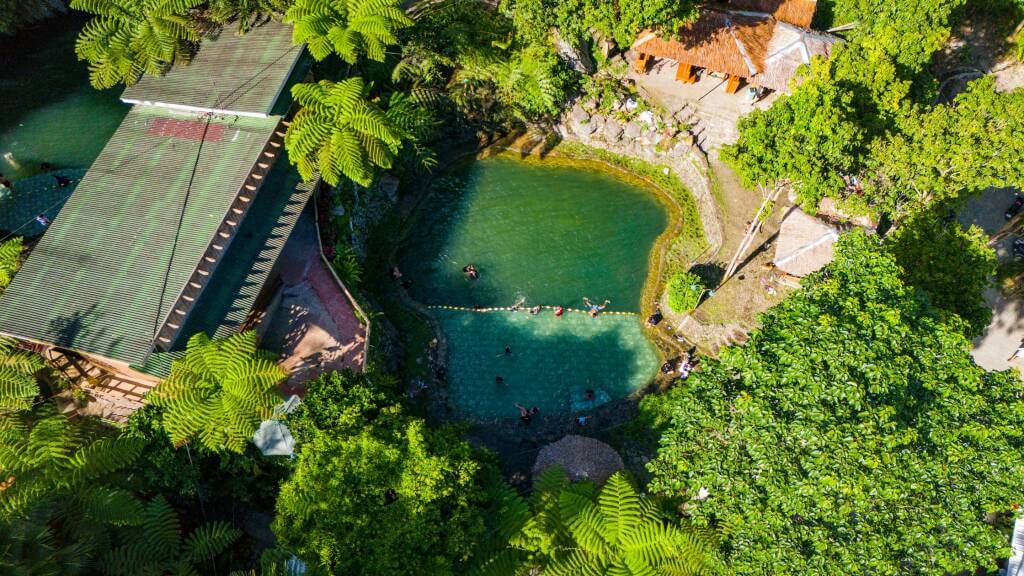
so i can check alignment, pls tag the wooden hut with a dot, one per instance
(760, 42)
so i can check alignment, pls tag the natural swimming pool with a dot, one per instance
(540, 233)
(48, 111)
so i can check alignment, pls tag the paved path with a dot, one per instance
(1006, 331)
(314, 326)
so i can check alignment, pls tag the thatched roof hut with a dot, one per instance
(805, 243)
(582, 458)
(760, 41)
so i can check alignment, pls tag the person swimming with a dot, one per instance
(594, 309)
(471, 272)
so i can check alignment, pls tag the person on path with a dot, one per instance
(1017, 353)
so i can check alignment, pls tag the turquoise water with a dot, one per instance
(544, 235)
(48, 110)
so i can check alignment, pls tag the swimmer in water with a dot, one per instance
(594, 309)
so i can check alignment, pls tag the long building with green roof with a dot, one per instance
(176, 226)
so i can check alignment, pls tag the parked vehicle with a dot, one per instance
(1018, 248)
(1015, 208)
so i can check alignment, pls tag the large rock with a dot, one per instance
(612, 131)
(582, 458)
(578, 57)
(632, 131)
(579, 121)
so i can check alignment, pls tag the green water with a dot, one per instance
(48, 110)
(547, 235)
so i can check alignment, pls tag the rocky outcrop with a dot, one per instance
(578, 57)
(641, 138)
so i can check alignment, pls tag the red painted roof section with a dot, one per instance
(186, 129)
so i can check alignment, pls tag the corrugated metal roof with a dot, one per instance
(238, 280)
(94, 281)
(230, 73)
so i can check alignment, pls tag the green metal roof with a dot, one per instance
(235, 285)
(116, 250)
(229, 74)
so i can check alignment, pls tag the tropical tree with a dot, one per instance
(10, 260)
(219, 392)
(340, 132)
(60, 491)
(952, 265)
(18, 368)
(572, 528)
(375, 491)
(129, 38)
(157, 546)
(529, 83)
(347, 28)
(47, 458)
(246, 13)
(852, 432)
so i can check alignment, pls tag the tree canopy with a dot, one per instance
(128, 38)
(219, 392)
(573, 528)
(852, 432)
(864, 127)
(375, 491)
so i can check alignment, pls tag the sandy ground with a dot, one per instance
(1006, 331)
(314, 327)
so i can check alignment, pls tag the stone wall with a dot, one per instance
(641, 138)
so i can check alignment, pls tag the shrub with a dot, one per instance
(684, 291)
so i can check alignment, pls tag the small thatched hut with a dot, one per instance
(805, 243)
(582, 458)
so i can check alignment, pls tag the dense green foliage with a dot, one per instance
(952, 265)
(572, 528)
(156, 545)
(348, 28)
(59, 492)
(18, 386)
(340, 132)
(219, 392)
(576, 20)
(128, 38)
(246, 14)
(869, 113)
(10, 260)
(376, 491)
(684, 291)
(852, 432)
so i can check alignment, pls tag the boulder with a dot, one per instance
(632, 131)
(578, 57)
(581, 458)
(612, 131)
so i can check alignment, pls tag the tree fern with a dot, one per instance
(18, 368)
(10, 260)
(129, 38)
(219, 392)
(574, 531)
(47, 458)
(157, 545)
(246, 14)
(339, 132)
(347, 28)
